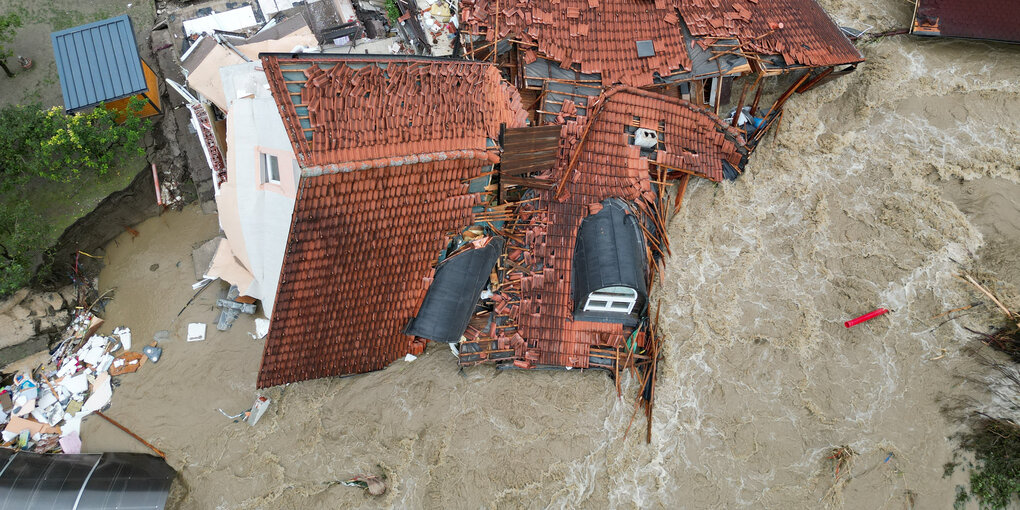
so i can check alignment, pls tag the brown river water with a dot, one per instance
(878, 188)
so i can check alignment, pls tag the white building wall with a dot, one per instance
(254, 215)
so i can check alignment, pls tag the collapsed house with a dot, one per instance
(513, 203)
(395, 156)
(240, 129)
(993, 21)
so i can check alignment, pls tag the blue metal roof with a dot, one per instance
(98, 62)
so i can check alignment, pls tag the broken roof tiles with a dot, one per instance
(362, 242)
(602, 36)
(360, 246)
(609, 167)
(997, 20)
(356, 109)
(798, 30)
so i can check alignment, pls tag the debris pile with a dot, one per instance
(43, 408)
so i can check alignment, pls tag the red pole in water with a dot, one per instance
(865, 318)
(155, 180)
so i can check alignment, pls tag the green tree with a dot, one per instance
(9, 23)
(49, 144)
(21, 233)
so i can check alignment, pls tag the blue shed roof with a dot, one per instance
(98, 62)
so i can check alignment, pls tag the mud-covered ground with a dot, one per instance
(879, 187)
(40, 84)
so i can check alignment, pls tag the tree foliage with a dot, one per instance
(49, 144)
(995, 474)
(21, 234)
(9, 23)
(38, 143)
(392, 11)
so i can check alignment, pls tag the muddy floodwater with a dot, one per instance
(877, 189)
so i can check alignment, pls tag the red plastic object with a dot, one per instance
(866, 317)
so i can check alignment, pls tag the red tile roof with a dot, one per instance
(608, 167)
(988, 19)
(342, 114)
(362, 242)
(599, 35)
(798, 30)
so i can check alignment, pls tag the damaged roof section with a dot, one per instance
(997, 20)
(454, 291)
(205, 58)
(599, 159)
(601, 36)
(365, 236)
(635, 43)
(344, 109)
(798, 30)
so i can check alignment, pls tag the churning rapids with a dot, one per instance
(878, 187)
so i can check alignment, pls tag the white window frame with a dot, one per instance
(612, 299)
(269, 162)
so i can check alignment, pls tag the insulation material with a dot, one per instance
(233, 20)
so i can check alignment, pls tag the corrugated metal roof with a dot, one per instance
(98, 62)
(997, 20)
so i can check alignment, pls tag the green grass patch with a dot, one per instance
(60, 204)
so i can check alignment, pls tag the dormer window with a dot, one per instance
(612, 300)
(608, 277)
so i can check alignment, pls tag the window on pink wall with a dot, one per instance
(277, 171)
(270, 168)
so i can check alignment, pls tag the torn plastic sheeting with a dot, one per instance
(545, 68)
(93, 351)
(258, 409)
(451, 298)
(124, 335)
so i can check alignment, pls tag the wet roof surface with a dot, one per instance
(798, 30)
(133, 481)
(608, 167)
(602, 36)
(453, 294)
(364, 238)
(990, 19)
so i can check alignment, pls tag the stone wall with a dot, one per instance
(30, 320)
